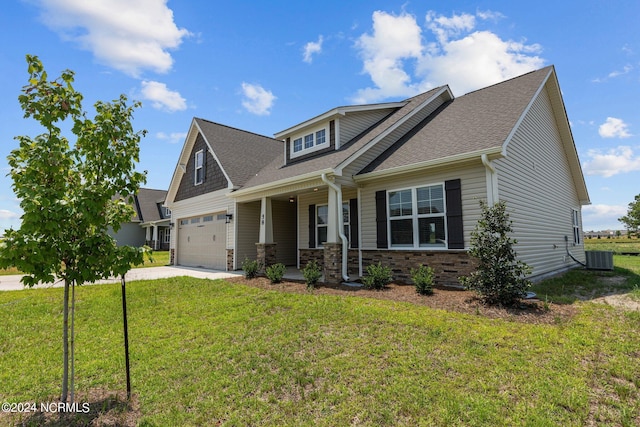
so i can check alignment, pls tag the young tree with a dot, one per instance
(499, 278)
(71, 194)
(632, 219)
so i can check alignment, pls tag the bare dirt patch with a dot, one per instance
(449, 299)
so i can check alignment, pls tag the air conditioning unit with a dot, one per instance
(599, 260)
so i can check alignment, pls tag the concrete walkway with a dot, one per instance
(12, 283)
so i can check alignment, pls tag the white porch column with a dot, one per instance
(155, 237)
(147, 235)
(266, 221)
(332, 218)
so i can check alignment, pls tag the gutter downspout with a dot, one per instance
(345, 241)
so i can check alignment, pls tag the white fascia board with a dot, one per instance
(280, 183)
(458, 158)
(354, 156)
(339, 111)
(524, 113)
(213, 154)
(178, 172)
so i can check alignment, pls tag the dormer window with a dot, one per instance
(309, 142)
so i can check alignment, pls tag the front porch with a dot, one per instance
(297, 224)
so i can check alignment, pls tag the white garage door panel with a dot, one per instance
(202, 241)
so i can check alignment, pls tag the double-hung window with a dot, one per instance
(417, 217)
(576, 226)
(322, 221)
(345, 220)
(199, 170)
(297, 145)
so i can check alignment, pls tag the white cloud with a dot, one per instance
(173, 137)
(123, 34)
(7, 214)
(602, 217)
(625, 70)
(616, 73)
(394, 40)
(616, 160)
(257, 100)
(162, 98)
(614, 128)
(461, 56)
(310, 49)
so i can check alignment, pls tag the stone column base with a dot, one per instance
(332, 262)
(266, 253)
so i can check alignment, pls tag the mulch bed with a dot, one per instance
(449, 299)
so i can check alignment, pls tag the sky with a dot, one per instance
(266, 66)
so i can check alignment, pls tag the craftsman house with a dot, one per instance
(150, 224)
(396, 182)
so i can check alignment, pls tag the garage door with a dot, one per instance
(202, 241)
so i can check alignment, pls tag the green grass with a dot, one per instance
(616, 245)
(205, 351)
(160, 258)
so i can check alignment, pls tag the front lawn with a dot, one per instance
(159, 259)
(210, 352)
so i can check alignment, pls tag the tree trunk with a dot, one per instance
(73, 335)
(65, 343)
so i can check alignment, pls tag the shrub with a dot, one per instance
(423, 279)
(499, 278)
(311, 273)
(251, 268)
(378, 276)
(275, 272)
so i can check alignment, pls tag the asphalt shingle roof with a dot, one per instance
(240, 153)
(473, 122)
(276, 170)
(148, 200)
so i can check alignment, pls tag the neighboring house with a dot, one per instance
(397, 183)
(150, 224)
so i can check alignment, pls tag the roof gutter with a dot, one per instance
(280, 183)
(345, 241)
(458, 158)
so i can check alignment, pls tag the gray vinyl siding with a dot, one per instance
(284, 231)
(317, 198)
(130, 234)
(352, 124)
(474, 189)
(374, 152)
(536, 182)
(248, 225)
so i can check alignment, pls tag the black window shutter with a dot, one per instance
(204, 163)
(353, 223)
(455, 230)
(312, 226)
(381, 219)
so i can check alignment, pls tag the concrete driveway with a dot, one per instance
(12, 283)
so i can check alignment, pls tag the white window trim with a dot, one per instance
(414, 220)
(575, 222)
(347, 223)
(195, 172)
(166, 236)
(319, 244)
(315, 147)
